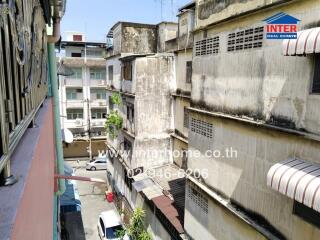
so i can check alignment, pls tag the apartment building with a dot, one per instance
(143, 75)
(182, 46)
(83, 94)
(260, 98)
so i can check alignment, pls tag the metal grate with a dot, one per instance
(202, 128)
(23, 70)
(207, 46)
(316, 76)
(245, 39)
(196, 196)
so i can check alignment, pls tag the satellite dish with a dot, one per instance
(67, 135)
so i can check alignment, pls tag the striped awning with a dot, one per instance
(307, 42)
(297, 179)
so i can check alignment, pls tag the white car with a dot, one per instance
(100, 163)
(109, 224)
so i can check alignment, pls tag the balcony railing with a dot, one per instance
(23, 73)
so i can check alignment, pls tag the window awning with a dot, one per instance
(307, 42)
(297, 179)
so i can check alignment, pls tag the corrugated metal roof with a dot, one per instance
(307, 42)
(297, 179)
(152, 192)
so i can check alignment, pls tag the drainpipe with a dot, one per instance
(55, 95)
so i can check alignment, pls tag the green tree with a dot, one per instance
(114, 120)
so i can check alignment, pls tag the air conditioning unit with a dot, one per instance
(78, 122)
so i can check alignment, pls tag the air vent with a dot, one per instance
(245, 39)
(202, 128)
(196, 196)
(207, 46)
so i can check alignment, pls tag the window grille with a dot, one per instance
(197, 197)
(76, 113)
(245, 39)
(97, 74)
(202, 128)
(98, 94)
(207, 46)
(185, 117)
(74, 93)
(110, 73)
(98, 113)
(188, 72)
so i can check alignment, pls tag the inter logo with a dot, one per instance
(281, 26)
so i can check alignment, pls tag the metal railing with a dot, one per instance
(23, 72)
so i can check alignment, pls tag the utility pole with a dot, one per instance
(89, 129)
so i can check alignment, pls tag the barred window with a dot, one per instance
(98, 113)
(74, 113)
(201, 127)
(245, 39)
(76, 73)
(185, 117)
(316, 76)
(97, 73)
(98, 94)
(207, 46)
(197, 196)
(74, 94)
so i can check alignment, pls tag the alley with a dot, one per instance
(92, 198)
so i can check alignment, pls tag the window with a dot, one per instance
(184, 160)
(127, 179)
(102, 225)
(98, 94)
(75, 113)
(98, 113)
(94, 53)
(76, 73)
(79, 55)
(110, 73)
(245, 39)
(130, 113)
(74, 93)
(97, 74)
(77, 38)
(202, 128)
(207, 46)
(197, 197)
(127, 71)
(189, 71)
(316, 76)
(306, 213)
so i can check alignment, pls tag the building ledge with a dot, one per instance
(185, 140)
(306, 135)
(180, 96)
(119, 91)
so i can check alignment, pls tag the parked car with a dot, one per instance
(99, 163)
(108, 225)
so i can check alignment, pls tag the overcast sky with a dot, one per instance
(96, 17)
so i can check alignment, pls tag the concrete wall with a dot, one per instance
(166, 31)
(260, 83)
(178, 108)
(138, 39)
(181, 71)
(243, 177)
(180, 146)
(186, 26)
(217, 224)
(116, 82)
(211, 11)
(79, 148)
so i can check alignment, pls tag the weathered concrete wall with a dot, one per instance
(211, 11)
(182, 57)
(138, 39)
(166, 32)
(186, 26)
(117, 39)
(243, 176)
(180, 146)
(178, 108)
(261, 83)
(79, 148)
(116, 82)
(217, 224)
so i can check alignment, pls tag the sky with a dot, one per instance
(96, 17)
